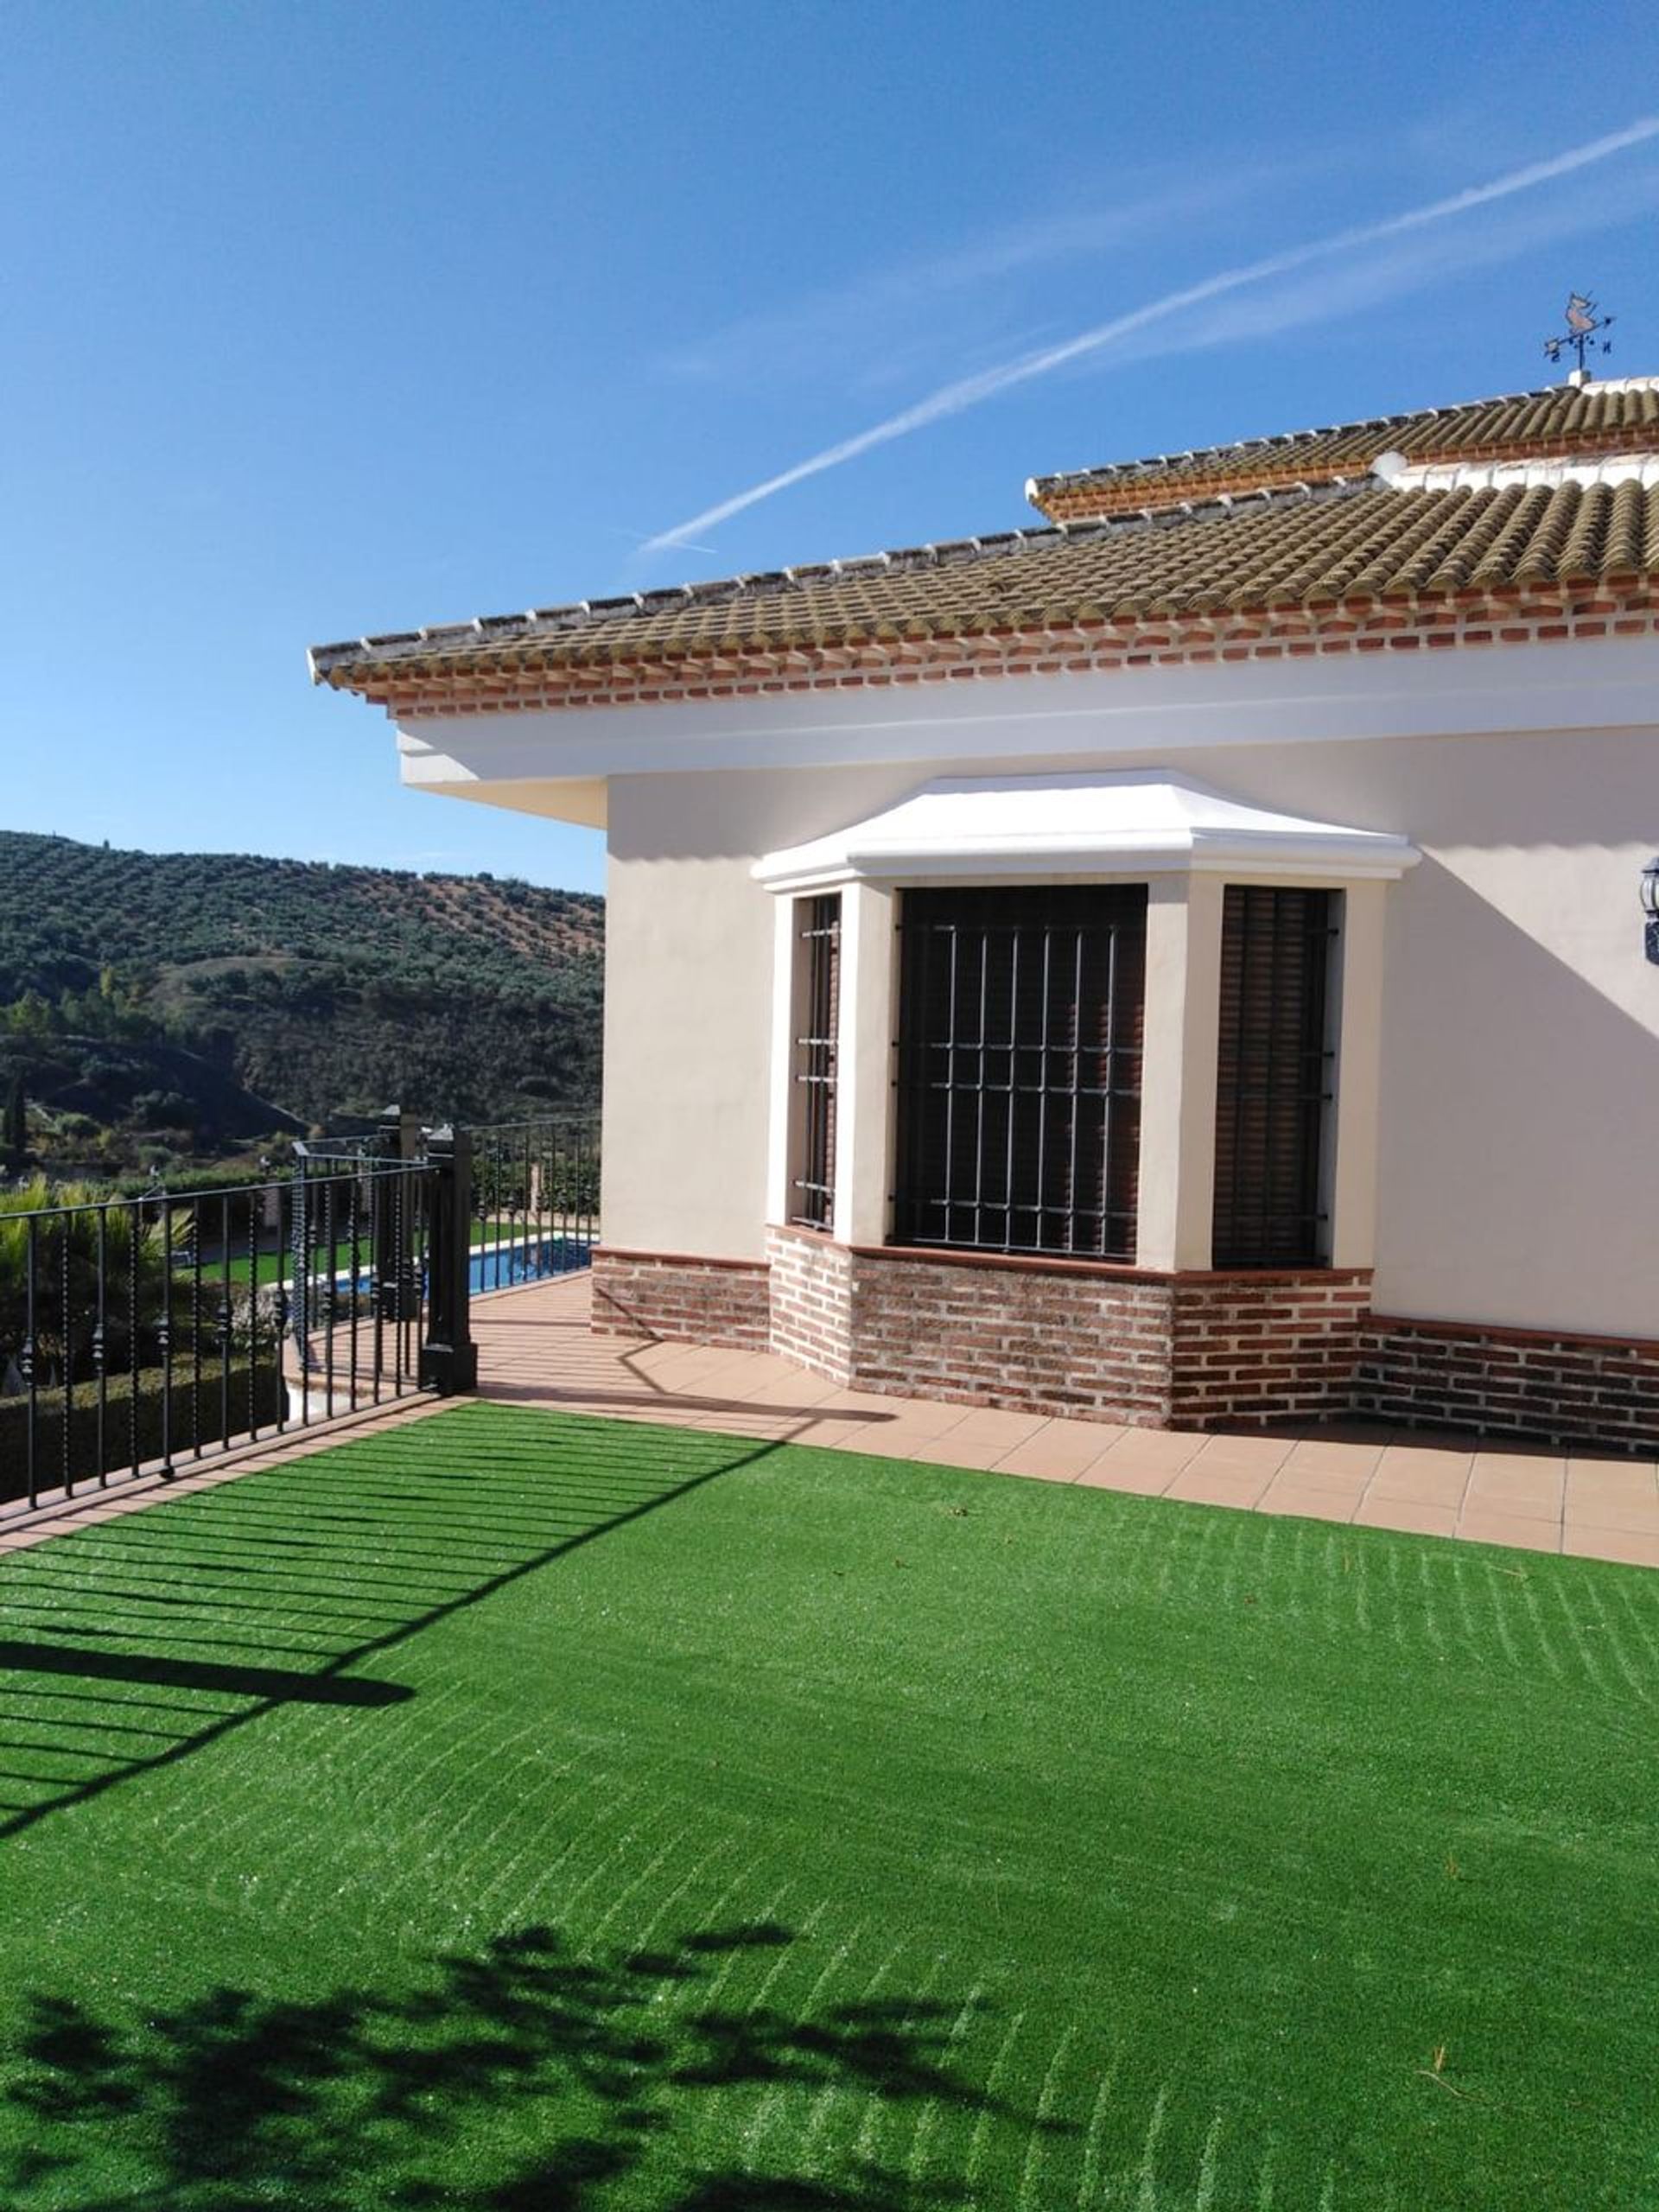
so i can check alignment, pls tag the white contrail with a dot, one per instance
(969, 391)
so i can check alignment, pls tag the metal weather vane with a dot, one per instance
(1583, 326)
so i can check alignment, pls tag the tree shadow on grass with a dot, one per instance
(531, 2078)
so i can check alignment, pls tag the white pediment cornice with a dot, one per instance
(1135, 823)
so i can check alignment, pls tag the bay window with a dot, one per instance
(1019, 1069)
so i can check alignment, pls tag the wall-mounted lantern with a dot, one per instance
(1650, 906)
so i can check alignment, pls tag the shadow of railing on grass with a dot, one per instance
(133, 1643)
(530, 2078)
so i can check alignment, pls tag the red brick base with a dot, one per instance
(1192, 1350)
(1100, 1343)
(1087, 1341)
(1266, 1345)
(1561, 1389)
(813, 1302)
(691, 1300)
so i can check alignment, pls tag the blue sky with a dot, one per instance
(327, 319)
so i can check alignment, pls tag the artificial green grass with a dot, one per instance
(279, 1266)
(530, 1814)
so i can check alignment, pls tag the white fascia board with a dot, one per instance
(1604, 683)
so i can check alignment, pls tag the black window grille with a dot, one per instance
(1019, 1069)
(817, 1017)
(1275, 1084)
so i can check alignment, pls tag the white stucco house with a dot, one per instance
(1182, 962)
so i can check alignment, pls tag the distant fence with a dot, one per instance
(139, 1336)
(534, 1200)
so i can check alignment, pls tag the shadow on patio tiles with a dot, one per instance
(667, 1404)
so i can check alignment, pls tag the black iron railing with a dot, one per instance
(141, 1336)
(535, 1199)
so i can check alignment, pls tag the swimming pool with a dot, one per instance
(499, 1266)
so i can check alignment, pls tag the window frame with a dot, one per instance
(816, 924)
(996, 1059)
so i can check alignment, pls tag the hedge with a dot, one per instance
(268, 1397)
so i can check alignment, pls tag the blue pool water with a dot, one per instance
(497, 1266)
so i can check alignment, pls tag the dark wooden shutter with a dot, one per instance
(1020, 1040)
(1274, 1079)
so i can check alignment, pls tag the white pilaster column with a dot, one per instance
(1177, 1181)
(1358, 1034)
(864, 1064)
(780, 1119)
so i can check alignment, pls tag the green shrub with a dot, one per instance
(198, 1416)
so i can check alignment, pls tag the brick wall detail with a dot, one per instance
(1521, 1383)
(813, 1302)
(1193, 1351)
(688, 1301)
(1267, 1346)
(1096, 1342)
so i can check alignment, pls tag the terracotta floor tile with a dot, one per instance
(1201, 1487)
(927, 1416)
(1312, 1459)
(945, 1452)
(993, 1425)
(903, 1443)
(1637, 1517)
(738, 1372)
(1532, 1504)
(650, 1359)
(1522, 1461)
(1417, 1454)
(1428, 1438)
(832, 1435)
(1170, 1448)
(1121, 1470)
(1636, 1483)
(1350, 1430)
(1066, 1448)
(1242, 1455)
(647, 1353)
(843, 1400)
(1481, 1525)
(1438, 1485)
(1341, 1495)
(1283, 1496)
(1410, 1515)
(1612, 1543)
(799, 1390)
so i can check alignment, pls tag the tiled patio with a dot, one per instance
(536, 1347)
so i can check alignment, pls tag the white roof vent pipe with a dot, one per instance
(1389, 467)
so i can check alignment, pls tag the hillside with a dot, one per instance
(219, 997)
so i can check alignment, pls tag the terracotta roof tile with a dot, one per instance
(1563, 418)
(1269, 551)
